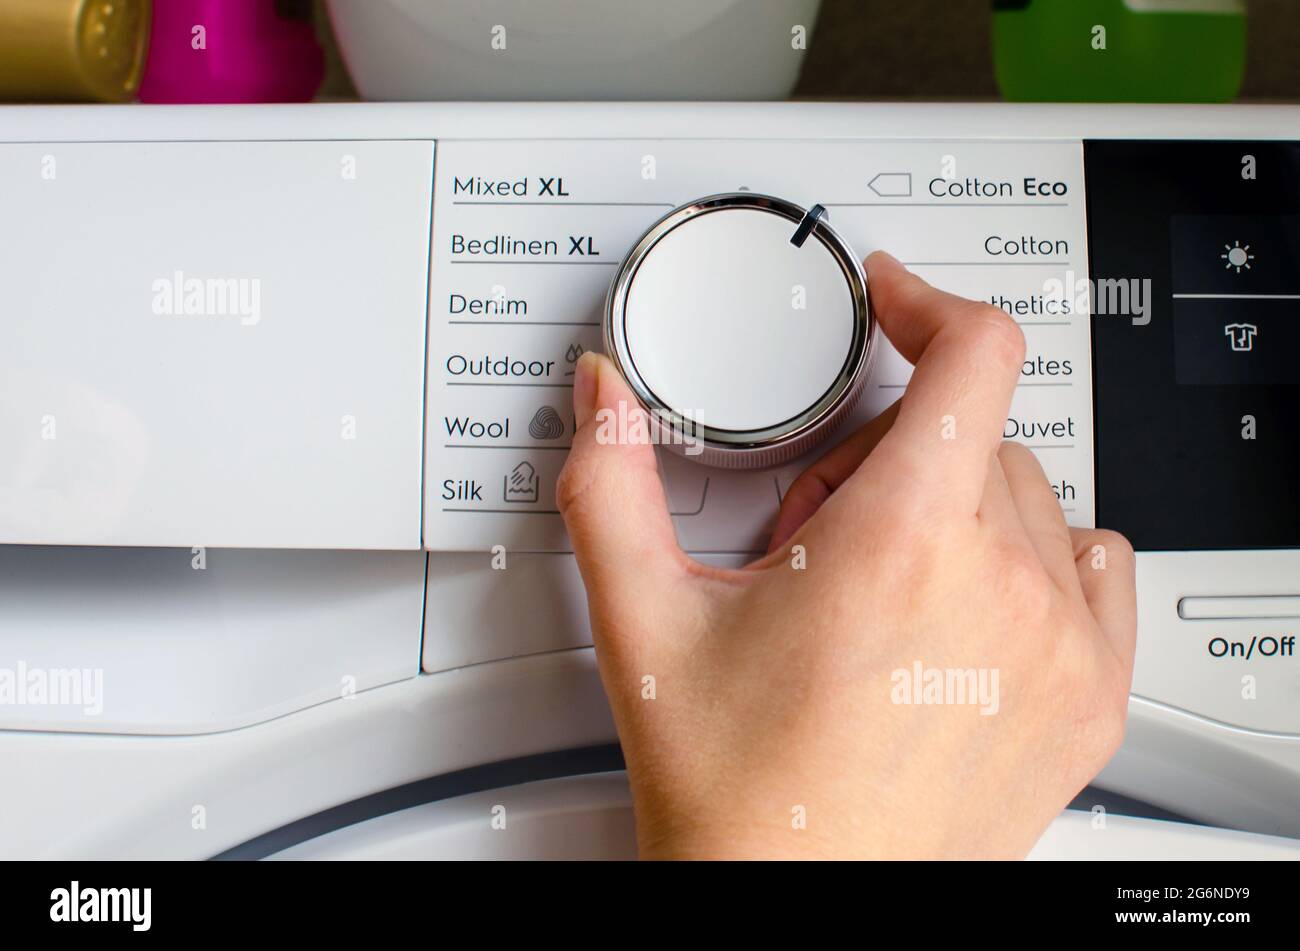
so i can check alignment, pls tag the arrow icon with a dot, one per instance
(892, 184)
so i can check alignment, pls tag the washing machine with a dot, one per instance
(284, 391)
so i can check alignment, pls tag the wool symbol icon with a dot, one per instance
(546, 424)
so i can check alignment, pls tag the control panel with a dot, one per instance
(528, 235)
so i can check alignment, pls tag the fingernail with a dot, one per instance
(585, 382)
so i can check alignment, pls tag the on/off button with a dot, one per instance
(1239, 608)
(1235, 643)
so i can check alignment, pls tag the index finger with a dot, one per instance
(968, 358)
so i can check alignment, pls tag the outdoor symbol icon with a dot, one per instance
(1241, 337)
(546, 424)
(522, 484)
(571, 356)
(1238, 256)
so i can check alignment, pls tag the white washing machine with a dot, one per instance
(284, 391)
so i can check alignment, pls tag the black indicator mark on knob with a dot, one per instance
(806, 225)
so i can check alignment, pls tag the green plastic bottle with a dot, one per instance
(1119, 50)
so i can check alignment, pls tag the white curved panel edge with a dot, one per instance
(252, 781)
(579, 817)
(85, 796)
(590, 817)
(1077, 835)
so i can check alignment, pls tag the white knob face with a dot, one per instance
(760, 342)
(727, 321)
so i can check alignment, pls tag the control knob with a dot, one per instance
(742, 324)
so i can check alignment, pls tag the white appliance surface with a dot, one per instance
(586, 817)
(181, 641)
(414, 321)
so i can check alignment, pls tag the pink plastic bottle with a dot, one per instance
(232, 51)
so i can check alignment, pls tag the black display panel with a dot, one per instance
(1197, 401)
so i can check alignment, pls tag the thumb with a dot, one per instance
(610, 494)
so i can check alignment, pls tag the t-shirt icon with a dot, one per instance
(1241, 337)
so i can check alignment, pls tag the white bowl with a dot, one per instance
(573, 49)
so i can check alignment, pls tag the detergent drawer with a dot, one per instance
(213, 343)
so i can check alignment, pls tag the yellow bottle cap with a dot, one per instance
(73, 49)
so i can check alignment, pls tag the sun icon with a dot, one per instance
(1237, 255)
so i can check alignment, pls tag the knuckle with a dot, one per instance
(1019, 581)
(573, 485)
(1119, 550)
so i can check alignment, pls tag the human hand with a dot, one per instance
(778, 725)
